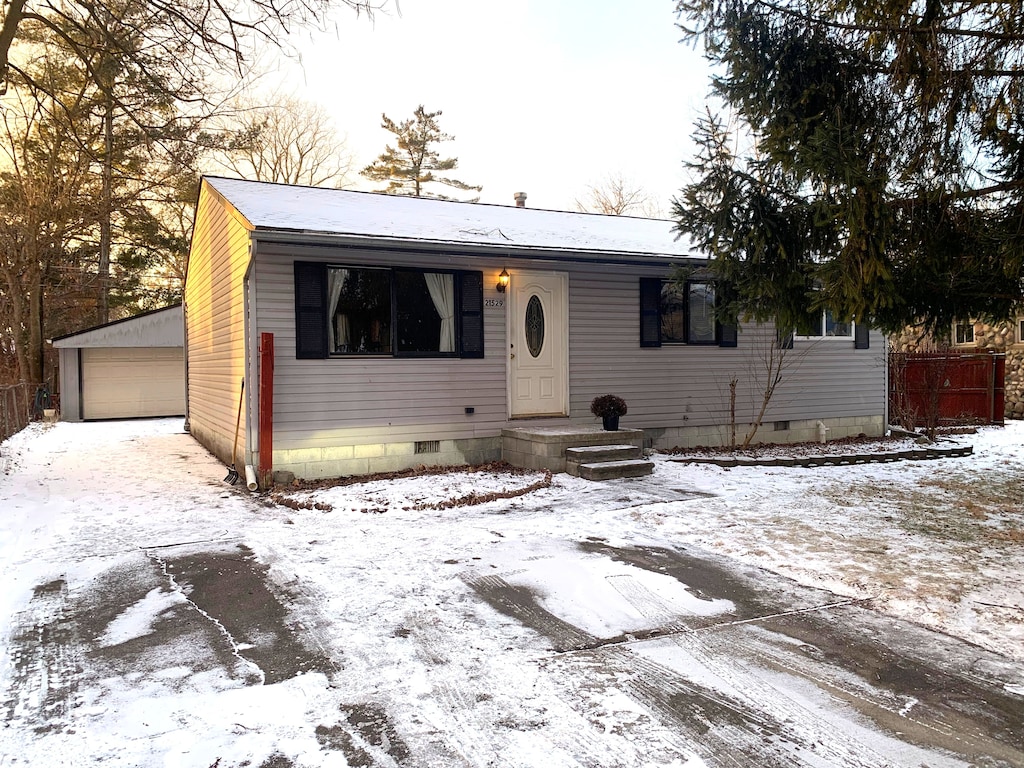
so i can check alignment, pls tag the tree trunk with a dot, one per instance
(24, 290)
(103, 268)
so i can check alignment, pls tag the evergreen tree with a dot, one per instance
(885, 175)
(412, 165)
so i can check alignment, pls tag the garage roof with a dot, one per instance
(158, 328)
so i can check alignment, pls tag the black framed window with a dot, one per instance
(345, 311)
(681, 313)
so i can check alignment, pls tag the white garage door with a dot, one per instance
(128, 382)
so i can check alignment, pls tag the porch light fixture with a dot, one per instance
(502, 281)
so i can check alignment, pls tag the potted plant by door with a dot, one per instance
(609, 408)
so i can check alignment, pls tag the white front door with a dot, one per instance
(538, 354)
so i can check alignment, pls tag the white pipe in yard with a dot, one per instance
(822, 432)
(250, 478)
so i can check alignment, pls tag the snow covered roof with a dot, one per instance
(157, 328)
(315, 210)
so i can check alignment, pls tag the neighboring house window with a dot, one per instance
(672, 313)
(963, 333)
(353, 311)
(1020, 330)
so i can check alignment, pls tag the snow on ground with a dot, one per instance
(939, 542)
(384, 582)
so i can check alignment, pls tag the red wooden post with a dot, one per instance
(266, 460)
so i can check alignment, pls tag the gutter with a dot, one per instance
(495, 250)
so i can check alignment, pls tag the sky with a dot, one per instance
(541, 97)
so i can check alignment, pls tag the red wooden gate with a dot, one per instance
(946, 387)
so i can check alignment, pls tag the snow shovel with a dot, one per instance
(233, 472)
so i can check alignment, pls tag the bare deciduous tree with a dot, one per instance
(190, 36)
(44, 180)
(289, 141)
(618, 196)
(770, 361)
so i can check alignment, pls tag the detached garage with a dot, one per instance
(132, 368)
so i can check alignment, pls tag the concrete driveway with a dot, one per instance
(152, 616)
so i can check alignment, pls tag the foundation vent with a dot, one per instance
(781, 426)
(428, 446)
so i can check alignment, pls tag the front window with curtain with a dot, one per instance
(425, 303)
(374, 311)
(701, 313)
(359, 311)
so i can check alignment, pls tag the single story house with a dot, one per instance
(129, 368)
(378, 332)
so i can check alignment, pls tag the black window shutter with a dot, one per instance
(784, 339)
(310, 311)
(471, 314)
(727, 336)
(861, 336)
(650, 312)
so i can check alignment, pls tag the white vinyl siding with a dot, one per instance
(132, 382)
(365, 400)
(686, 385)
(354, 401)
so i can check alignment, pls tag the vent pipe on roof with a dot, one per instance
(520, 199)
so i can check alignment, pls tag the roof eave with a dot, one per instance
(547, 253)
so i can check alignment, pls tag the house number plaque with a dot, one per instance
(494, 302)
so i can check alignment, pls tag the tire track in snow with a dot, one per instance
(475, 700)
(520, 603)
(46, 655)
(661, 690)
(453, 696)
(722, 654)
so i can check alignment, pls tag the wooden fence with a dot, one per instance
(929, 389)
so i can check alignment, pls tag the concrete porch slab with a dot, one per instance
(544, 447)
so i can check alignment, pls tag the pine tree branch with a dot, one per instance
(1008, 37)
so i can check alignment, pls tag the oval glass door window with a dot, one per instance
(534, 326)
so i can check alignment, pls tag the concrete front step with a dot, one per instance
(591, 454)
(612, 470)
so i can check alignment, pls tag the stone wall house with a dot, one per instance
(1005, 337)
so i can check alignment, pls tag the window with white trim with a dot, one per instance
(827, 327)
(963, 333)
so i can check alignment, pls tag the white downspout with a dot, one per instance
(251, 369)
(250, 478)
